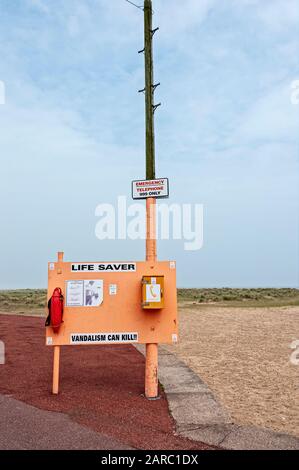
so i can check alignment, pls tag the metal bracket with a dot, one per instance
(153, 31)
(155, 86)
(142, 50)
(155, 106)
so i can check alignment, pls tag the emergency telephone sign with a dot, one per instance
(158, 188)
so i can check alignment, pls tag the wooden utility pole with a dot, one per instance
(151, 362)
(149, 91)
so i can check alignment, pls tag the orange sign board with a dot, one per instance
(103, 303)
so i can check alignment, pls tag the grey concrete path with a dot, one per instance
(200, 417)
(23, 427)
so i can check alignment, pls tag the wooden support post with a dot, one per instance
(151, 238)
(151, 371)
(56, 357)
(56, 354)
(151, 362)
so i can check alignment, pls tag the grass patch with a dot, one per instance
(27, 301)
(34, 301)
(261, 297)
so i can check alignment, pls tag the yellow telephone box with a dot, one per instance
(153, 292)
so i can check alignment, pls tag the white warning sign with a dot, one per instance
(112, 289)
(103, 338)
(87, 293)
(158, 188)
(103, 267)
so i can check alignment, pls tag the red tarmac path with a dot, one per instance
(101, 388)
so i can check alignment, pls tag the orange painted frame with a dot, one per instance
(122, 312)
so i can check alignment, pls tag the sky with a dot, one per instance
(72, 133)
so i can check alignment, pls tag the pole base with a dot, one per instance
(154, 398)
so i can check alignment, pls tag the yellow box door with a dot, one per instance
(153, 292)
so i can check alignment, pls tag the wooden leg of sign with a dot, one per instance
(151, 371)
(55, 387)
(56, 356)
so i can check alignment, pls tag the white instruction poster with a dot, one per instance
(88, 293)
(74, 293)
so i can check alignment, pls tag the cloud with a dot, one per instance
(279, 15)
(184, 16)
(275, 14)
(271, 118)
(72, 128)
(39, 5)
